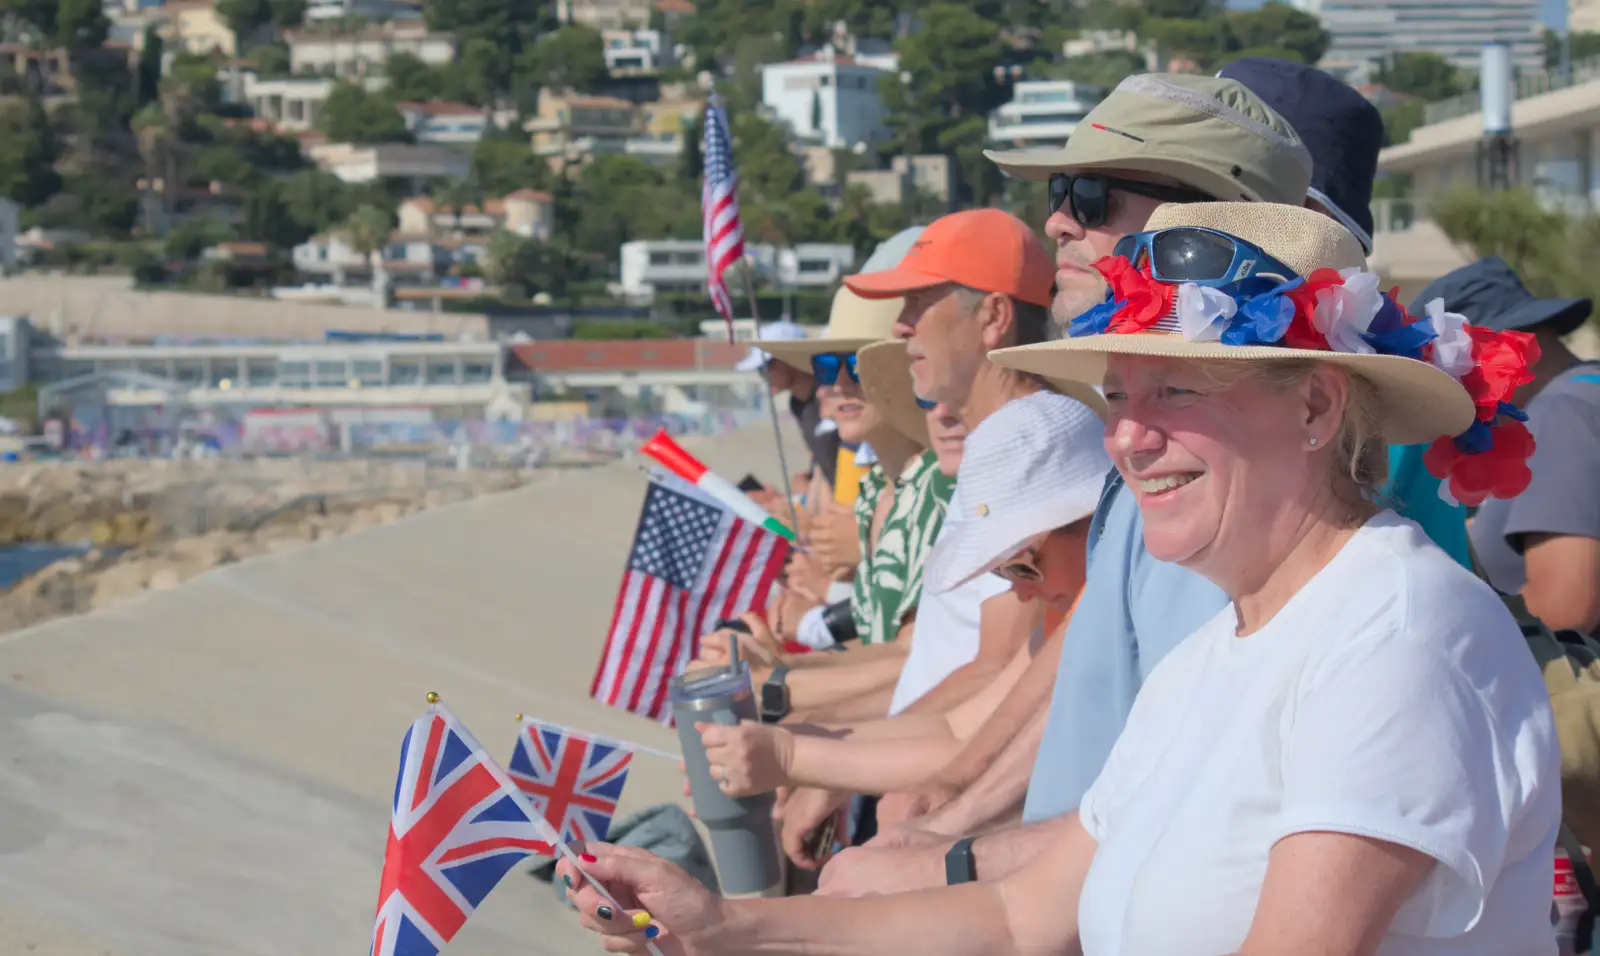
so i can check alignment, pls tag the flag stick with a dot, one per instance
(772, 404)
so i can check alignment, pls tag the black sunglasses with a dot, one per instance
(825, 367)
(1088, 195)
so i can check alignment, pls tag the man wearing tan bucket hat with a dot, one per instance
(1356, 758)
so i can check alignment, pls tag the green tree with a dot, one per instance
(1555, 254)
(950, 92)
(287, 13)
(1428, 76)
(410, 79)
(1104, 70)
(1583, 47)
(571, 58)
(482, 69)
(80, 24)
(352, 115)
(244, 17)
(149, 70)
(502, 163)
(513, 262)
(367, 231)
(271, 60)
(28, 152)
(1403, 117)
(1276, 29)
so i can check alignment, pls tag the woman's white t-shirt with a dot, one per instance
(1393, 697)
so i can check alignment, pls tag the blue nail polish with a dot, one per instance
(603, 911)
(567, 880)
(652, 931)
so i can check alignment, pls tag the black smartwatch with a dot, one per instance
(775, 696)
(959, 865)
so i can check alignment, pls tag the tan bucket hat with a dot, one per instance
(1207, 133)
(1421, 402)
(853, 322)
(886, 379)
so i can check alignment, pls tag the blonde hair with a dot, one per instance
(1360, 455)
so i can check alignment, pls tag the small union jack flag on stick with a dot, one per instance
(459, 824)
(574, 780)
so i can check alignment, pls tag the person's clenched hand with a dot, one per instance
(834, 537)
(682, 913)
(747, 759)
(803, 812)
(865, 871)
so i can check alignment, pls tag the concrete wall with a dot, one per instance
(109, 308)
(209, 769)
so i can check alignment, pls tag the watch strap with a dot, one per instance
(959, 864)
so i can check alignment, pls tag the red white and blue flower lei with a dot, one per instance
(1345, 311)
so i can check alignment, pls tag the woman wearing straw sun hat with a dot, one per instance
(1357, 757)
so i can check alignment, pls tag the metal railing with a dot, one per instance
(1394, 215)
(1527, 85)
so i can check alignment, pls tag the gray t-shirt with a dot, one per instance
(1564, 497)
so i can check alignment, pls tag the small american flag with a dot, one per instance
(458, 826)
(693, 563)
(574, 780)
(719, 209)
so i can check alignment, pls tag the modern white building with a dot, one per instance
(1041, 113)
(605, 14)
(1366, 31)
(446, 124)
(460, 379)
(815, 265)
(651, 266)
(321, 11)
(632, 52)
(827, 98)
(325, 51)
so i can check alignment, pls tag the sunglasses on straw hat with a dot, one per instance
(1201, 256)
(1437, 379)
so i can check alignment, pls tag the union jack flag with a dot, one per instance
(573, 780)
(693, 564)
(719, 208)
(458, 826)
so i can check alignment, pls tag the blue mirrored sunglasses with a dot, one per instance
(1202, 256)
(825, 367)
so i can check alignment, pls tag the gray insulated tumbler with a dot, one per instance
(742, 836)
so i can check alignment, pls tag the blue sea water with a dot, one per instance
(20, 560)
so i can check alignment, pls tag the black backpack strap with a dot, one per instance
(1584, 877)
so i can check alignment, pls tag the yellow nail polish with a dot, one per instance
(641, 920)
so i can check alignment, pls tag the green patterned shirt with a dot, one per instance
(888, 583)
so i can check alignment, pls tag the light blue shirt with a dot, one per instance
(1135, 609)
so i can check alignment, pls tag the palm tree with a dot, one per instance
(367, 230)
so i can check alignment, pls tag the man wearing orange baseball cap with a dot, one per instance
(975, 281)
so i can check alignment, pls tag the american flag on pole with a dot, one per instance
(458, 826)
(693, 563)
(573, 779)
(719, 208)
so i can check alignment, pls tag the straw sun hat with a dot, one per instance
(1421, 401)
(886, 379)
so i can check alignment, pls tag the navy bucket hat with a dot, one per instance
(1342, 130)
(1490, 294)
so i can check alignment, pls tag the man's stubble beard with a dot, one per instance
(1070, 303)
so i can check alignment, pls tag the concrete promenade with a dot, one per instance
(208, 770)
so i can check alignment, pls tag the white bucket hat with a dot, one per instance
(1037, 464)
(774, 332)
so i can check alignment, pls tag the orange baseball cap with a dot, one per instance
(984, 249)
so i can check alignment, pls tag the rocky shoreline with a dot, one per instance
(151, 525)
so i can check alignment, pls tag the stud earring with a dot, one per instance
(1313, 442)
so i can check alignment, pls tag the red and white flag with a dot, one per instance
(719, 209)
(693, 564)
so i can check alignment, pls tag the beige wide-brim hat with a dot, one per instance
(885, 370)
(1205, 132)
(853, 323)
(1419, 402)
